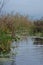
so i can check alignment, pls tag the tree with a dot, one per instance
(1, 5)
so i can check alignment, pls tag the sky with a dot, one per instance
(33, 8)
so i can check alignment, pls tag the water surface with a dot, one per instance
(26, 53)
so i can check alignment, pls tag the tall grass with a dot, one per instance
(12, 25)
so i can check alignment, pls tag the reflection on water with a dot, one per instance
(38, 41)
(25, 52)
(8, 63)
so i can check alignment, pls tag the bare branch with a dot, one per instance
(1, 5)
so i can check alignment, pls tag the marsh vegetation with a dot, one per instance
(13, 26)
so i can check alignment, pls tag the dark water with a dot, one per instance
(26, 53)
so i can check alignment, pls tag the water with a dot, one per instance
(26, 53)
